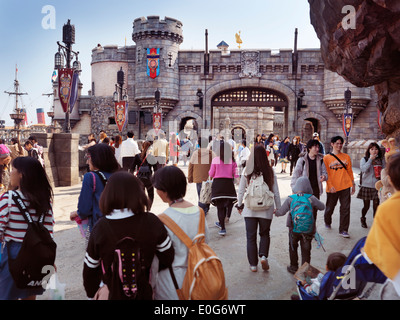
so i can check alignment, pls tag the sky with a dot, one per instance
(30, 29)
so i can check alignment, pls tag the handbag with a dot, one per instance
(205, 192)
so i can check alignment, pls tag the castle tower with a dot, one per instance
(334, 88)
(160, 38)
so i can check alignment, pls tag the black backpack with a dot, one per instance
(38, 250)
(129, 278)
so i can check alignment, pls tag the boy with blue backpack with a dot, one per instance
(300, 221)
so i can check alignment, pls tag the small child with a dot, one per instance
(300, 221)
(334, 262)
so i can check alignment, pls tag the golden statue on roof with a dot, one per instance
(238, 39)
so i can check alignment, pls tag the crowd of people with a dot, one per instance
(123, 176)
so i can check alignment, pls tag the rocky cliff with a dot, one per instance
(360, 40)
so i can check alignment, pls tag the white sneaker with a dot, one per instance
(253, 268)
(264, 263)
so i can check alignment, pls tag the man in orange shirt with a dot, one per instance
(339, 186)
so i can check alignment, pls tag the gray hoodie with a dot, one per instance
(302, 185)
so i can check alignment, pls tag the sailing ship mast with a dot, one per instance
(19, 115)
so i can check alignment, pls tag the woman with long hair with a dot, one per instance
(293, 153)
(29, 180)
(145, 165)
(223, 193)
(370, 165)
(117, 148)
(283, 153)
(258, 164)
(125, 216)
(102, 164)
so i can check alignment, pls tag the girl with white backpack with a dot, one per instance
(258, 218)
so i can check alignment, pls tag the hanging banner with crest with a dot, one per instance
(153, 62)
(157, 121)
(121, 112)
(347, 123)
(65, 76)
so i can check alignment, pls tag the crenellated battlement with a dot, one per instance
(153, 27)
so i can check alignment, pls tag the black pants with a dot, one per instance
(150, 189)
(344, 196)
(305, 245)
(375, 204)
(127, 163)
(224, 211)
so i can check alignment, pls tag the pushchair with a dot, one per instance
(346, 283)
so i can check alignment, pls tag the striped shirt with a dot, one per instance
(12, 223)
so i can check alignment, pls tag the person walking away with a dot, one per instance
(170, 183)
(371, 166)
(382, 243)
(102, 164)
(339, 186)
(199, 165)
(283, 153)
(223, 194)
(129, 149)
(125, 217)
(258, 220)
(311, 165)
(29, 180)
(161, 150)
(174, 148)
(186, 148)
(300, 221)
(243, 156)
(293, 153)
(5, 167)
(117, 148)
(144, 164)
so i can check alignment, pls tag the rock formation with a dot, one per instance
(360, 40)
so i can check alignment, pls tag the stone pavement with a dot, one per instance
(275, 284)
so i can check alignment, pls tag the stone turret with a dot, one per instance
(165, 35)
(334, 88)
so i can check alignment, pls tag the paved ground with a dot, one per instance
(275, 284)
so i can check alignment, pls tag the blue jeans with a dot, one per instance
(204, 206)
(252, 225)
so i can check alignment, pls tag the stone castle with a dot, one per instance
(240, 89)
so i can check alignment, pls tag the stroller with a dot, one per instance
(335, 284)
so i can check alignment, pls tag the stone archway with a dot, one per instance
(322, 130)
(256, 83)
(174, 126)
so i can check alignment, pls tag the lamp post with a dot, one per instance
(65, 51)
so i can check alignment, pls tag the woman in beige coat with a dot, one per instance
(199, 165)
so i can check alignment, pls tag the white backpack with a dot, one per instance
(258, 196)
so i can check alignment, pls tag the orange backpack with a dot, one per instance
(204, 278)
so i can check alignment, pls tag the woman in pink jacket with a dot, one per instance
(223, 194)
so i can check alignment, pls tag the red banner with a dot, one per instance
(120, 114)
(157, 121)
(64, 86)
(347, 123)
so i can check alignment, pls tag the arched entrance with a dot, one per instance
(188, 127)
(256, 107)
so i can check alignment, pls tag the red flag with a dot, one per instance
(64, 86)
(120, 114)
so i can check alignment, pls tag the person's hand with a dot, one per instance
(240, 211)
(73, 215)
(353, 189)
(332, 190)
(322, 178)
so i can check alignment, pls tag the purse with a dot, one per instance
(205, 192)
